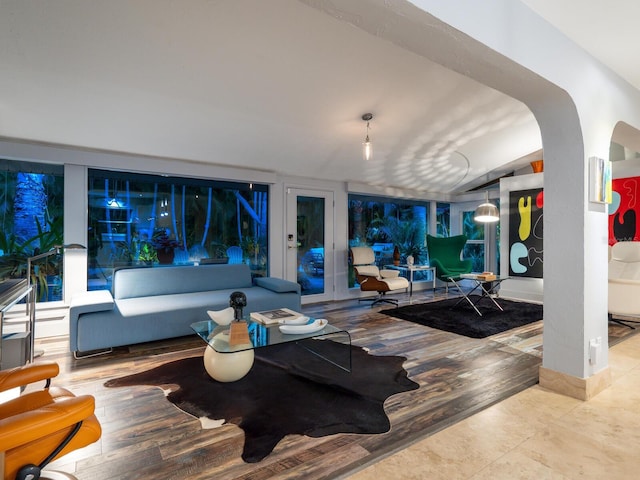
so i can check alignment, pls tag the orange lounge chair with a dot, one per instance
(41, 425)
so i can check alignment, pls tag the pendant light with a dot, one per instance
(366, 146)
(486, 212)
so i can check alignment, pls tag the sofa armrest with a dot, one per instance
(440, 270)
(384, 273)
(93, 301)
(27, 374)
(86, 302)
(624, 297)
(367, 270)
(467, 264)
(277, 285)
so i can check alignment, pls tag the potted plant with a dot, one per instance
(46, 273)
(165, 247)
(146, 253)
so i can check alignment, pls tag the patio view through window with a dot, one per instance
(31, 210)
(479, 237)
(384, 223)
(140, 220)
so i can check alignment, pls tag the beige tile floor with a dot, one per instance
(536, 434)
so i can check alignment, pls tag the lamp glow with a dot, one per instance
(367, 149)
(486, 212)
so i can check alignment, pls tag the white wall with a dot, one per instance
(75, 207)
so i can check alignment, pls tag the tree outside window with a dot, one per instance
(140, 220)
(385, 223)
(474, 248)
(31, 211)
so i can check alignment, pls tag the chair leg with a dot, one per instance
(391, 301)
(93, 353)
(380, 298)
(624, 323)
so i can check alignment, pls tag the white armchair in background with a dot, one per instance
(624, 283)
(372, 279)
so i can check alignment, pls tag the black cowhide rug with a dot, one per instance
(288, 391)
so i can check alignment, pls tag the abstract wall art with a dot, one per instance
(600, 183)
(525, 233)
(624, 210)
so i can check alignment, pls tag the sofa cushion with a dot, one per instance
(156, 281)
(257, 299)
(277, 284)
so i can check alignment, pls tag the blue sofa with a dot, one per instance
(148, 304)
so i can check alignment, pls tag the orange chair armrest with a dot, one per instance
(32, 425)
(26, 374)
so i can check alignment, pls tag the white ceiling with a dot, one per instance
(607, 30)
(275, 85)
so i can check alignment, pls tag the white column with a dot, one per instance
(575, 263)
(75, 229)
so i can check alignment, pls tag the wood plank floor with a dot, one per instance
(146, 437)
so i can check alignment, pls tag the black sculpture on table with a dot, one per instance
(237, 300)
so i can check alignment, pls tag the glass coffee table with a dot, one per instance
(488, 288)
(228, 363)
(409, 269)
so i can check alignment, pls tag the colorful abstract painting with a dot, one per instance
(525, 233)
(600, 184)
(624, 210)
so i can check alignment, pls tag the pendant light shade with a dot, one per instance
(366, 149)
(366, 146)
(486, 212)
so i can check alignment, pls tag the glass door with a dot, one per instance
(309, 243)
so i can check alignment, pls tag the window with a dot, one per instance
(31, 206)
(443, 216)
(483, 242)
(145, 220)
(383, 224)
(474, 249)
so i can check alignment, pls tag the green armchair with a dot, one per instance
(444, 255)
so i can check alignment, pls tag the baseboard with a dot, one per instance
(52, 327)
(521, 296)
(575, 387)
(50, 321)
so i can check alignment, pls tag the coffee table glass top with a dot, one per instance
(479, 278)
(260, 335)
(405, 266)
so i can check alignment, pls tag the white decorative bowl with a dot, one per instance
(315, 326)
(221, 317)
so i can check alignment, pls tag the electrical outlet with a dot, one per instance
(595, 350)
